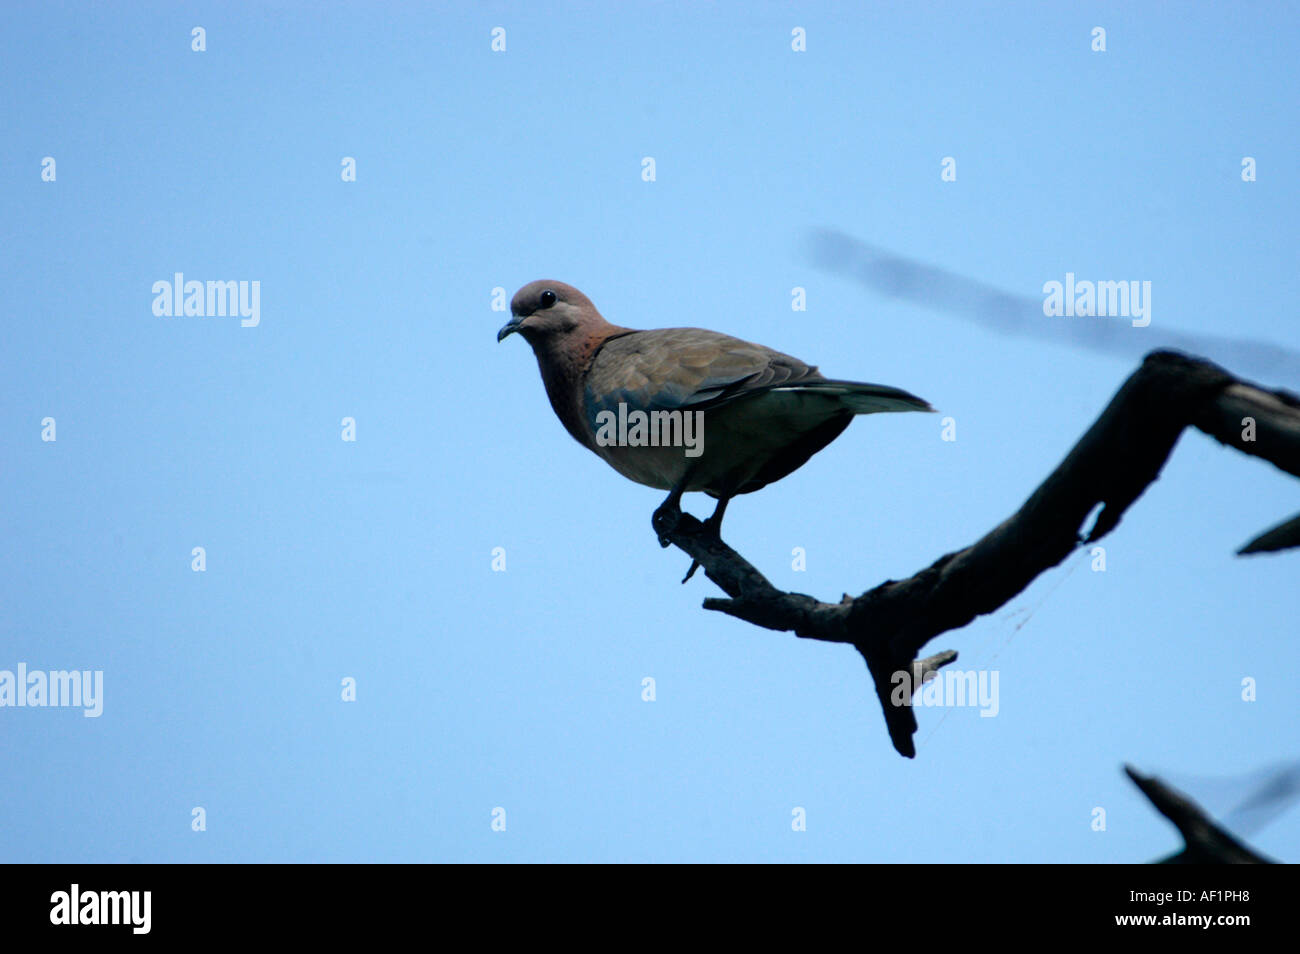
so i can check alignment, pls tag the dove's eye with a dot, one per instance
(548, 298)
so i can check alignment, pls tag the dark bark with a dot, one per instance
(1111, 465)
(1205, 842)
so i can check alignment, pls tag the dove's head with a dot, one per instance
(547, 312)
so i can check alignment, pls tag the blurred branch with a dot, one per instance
(887, 273)
(1111, 465)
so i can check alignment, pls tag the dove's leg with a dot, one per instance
(714, 523)
(714, 526)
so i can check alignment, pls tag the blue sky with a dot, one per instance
(372, 559)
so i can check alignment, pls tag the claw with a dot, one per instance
(665, 518)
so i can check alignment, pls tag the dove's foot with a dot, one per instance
(666, 516)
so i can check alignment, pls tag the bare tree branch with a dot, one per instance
(1111, 465)
(1282, 537)
(1206, 842)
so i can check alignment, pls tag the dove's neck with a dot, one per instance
(564, 365)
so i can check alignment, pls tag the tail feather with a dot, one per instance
(863, 398)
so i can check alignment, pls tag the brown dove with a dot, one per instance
(685, 409)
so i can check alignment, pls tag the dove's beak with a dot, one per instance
(509, 328)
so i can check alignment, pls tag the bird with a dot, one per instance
(760, 414)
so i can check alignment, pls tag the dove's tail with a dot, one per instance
(863, 398)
